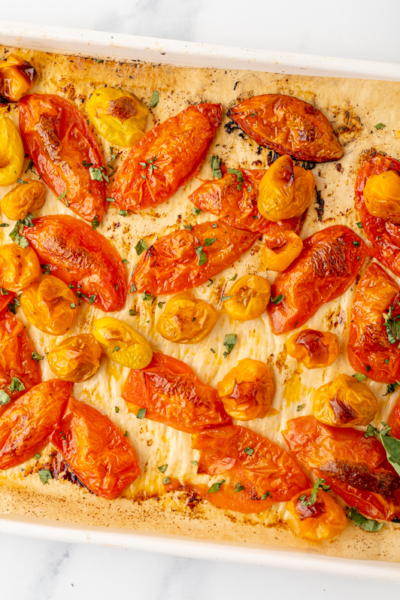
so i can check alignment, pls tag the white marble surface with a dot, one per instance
(33, 569)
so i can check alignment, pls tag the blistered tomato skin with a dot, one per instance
(60, 143)
(76, 358)
(122, 344)
(11, 150)
(172, 394)
(248, 298)
(247, 390)
(186, 319)
(166, 157)
(326, 268)
(96, 450)
(323, 520)
(280, 251)
(19, 267)
(354, 466)
(27, 423)
(16, 78)
(382, 196)
(394, 420)
(23, 199)
(316, 349)
(180, 261)
(82, 258)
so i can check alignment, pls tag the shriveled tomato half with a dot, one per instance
(288, 126)
(5, 300)
(258, 472)
(26, 424)
(166, 157)
(325, 269)
(65, 153)
(82, 258)
(185, 259)
(354, 466)
(394, 420)
(96, 450)
(171, 393)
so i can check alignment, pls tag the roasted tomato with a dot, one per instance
(27, 423)
(122, 344)
(185, 259)
(374, 333)
(65, 153)
(23, 199)
(186, 319)
(288, 126)
(394, 420)
(96, 450)
(260, 472)
(117, 115)
(170, 393)
(83, 258)
(322, 520)
(6, 298)
(247, 390)
(19, 267)
(166, 157)
(354, 466)
(345, 402)
(248, 298)
(76, 358)
(280, 251)
(325, 269)
(16, 78)
(49, 305)
(382, 196)
(315, 349)
(11, 150)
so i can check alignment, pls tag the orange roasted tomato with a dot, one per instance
(353, 465)
(253, 472)
(84, 259)
(25, 198)
(27, 423)
(325, 269)
(247, 390)
(186, 319)
(374, 334)
(122, 343)
(11, 149)
(16, 78)
(280, 251)
(394, 420)
(76, 358)
(19, 267)
(166, 157)
(382, 196)
(316, 521)
(96, 450)
(169, 392)
(65, 153)
(288, 126)
(49, 305)
(248, 298)
(181, 260)
(345, 402)
(315, 349)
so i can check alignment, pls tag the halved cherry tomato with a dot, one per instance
(76, 358)
(65, 153)
(323, 520)
(16, 77)
(315, 349)
(172, 394)
(122, 343)
(19, 267)
(186, 319)
(258, 472)
(325, 269)
(166, 157)
(29, 195)
(288, 126)
(394, 420)
(96, 450)
(83, 258)
(11, 150)
(281, 250)
(248, 298)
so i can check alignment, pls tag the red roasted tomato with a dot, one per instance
(96, 450)
(5, 300)
(172, 394)
(288, 126)
(354, 466)
(65, 153)
(258, 472)
(394, 420)
(81, 257)
(325, 269)
(166, 157)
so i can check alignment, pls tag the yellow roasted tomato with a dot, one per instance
(286, 247)
(247, 390)
(344, 402)
(16, 77)
(186, 319)
(19, 267)
(24, 198)
(11, 150)
(118, 116)
(76, 358)
(248, 298)
(315, 518)
(122, 344)
(382, 196)
(285, 191)
(49, 305)
(314, 348)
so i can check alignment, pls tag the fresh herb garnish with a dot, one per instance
(195, 463)
(133, 288)
(392, 326)
(209, 241)
(196, 211)
(116, 349)
(265, 496)
(37, 456)
(46, 269)
(4, 398)
(359, 376)
(229, 343)
(16, 385)
(214, 225)
(211, 282)
(123, 213)
(160, 304)
(72, 305)
(391, 387)
(36, 356)
(380, 126)
(99, 174)
(365, 524)
(188, 227)
(277, 300)
(140, 247)
(95, 222)
(110, 199)
(225, 298)
(249, 450)
(44, 475)
(215, 487)
(239, 177)
(166, 480)
(21, 181)
(239, 487)
(92, 298)
(233, 278)
(117, 409)
(141, 413)
(320, 483)
(201, 254)
(146, 296)
(17, 233)
(300, 406)
(113, 157)
(215, 163)
(155, 97)
(4, 292)
(132, 312)
(359, 225)
(163, 468)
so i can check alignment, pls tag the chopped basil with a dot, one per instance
(359, 376)
(126, 434)
(98, 174)
(215, 163)
(265, 496)
(21, 181)
(233, 278)
(300, 406)
(163, 468)
(380, 126)
(95, 222)
(4, 292)
(155, 97)
(277, 300)
(132, 312)
(4, 225)
(46, 269)
(359, 225)
(225, 298)
(36, 356)
(201, 254)
(356, 244)
(211, 282)
(92, 298)
(166, 480)
(195, 463)
(146, 296)
(239, 177)
(16, 233)
(215, 487)
(320, 483)
(4, 398)
(123, 213)
(212, 350)
(392, 326)
(229, 343)
(110, 199)
(141, 413)
(214, 225)
(16, 385)
(117, 409)
(239, 487)
(188, 227)
(44, 475)
(249, 450)
(209, 241)
(140, 247)
(365, 524)
(72, 305)
(391, 387)
(116, 349)
(196, 211)
(133, 287)
(37, 456)
(160, 304)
